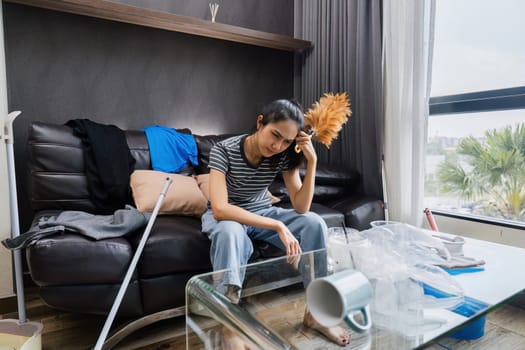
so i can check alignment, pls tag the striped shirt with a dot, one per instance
(247, 186)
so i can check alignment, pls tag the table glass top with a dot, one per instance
(270, 312)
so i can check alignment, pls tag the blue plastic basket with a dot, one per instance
(476, 328)
(472, 330)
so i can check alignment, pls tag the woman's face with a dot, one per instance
(274, 138)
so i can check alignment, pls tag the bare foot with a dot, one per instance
(233, 293)
(336, 334)
(231, 341)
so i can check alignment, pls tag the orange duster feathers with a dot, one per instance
(326, 117)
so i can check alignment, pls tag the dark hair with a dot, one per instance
(280, 110)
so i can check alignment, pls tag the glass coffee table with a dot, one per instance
(270, 312)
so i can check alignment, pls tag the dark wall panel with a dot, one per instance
(62, 66)
(273, 16)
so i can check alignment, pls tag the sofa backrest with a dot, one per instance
(204, 145)
(57, 178)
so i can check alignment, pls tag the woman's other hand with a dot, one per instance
(289, 241)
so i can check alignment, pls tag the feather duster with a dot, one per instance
(326, 117)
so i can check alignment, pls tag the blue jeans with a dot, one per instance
(231, 242)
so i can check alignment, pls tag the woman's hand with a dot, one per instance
(289, 241)
(303, 142)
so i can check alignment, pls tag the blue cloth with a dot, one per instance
(170, 150)
(465, 270)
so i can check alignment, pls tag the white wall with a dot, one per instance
(493, 233)
(6, 275)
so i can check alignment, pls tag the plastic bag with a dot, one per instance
(400, 261)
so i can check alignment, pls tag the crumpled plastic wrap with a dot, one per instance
(400, 260)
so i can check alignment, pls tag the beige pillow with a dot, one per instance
(204, 184)
(183, 196)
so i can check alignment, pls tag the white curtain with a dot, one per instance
(407, 61)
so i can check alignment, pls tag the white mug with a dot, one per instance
(338, 297)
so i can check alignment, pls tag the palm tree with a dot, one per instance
(490, 172)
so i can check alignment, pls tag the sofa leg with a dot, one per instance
(125, 330)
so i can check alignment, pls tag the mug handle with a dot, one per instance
(356, 326)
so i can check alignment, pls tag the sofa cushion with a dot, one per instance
(332, 218)
(94, 299)
(56, 167)
(165, 292)
(322, 193)
(359, 211)
(72, 259)
(331, 182)
(183, 197)
(204, 145)
(176, 244)
(333, 175)
(139, 148)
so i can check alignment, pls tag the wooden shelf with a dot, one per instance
(120, 12)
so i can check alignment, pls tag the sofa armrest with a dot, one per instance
(359, 211)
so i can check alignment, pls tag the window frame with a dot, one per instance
(480, 101)
(472, 102)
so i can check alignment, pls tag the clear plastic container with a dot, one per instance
(344, 249)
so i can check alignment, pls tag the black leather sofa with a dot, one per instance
(78, 274)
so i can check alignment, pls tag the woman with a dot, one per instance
(241, 169)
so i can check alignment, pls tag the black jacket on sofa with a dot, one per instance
(79, 274)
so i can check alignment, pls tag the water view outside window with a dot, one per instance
(475, 164)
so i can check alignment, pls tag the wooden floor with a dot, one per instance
(505, 330)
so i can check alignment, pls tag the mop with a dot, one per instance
(132, 266)
(15, 229)
(21, 334)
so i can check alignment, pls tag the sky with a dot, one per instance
(478, 45)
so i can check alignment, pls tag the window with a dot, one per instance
(475, 161)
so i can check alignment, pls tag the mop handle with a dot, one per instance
(13, 204)
(133, 264)
(8, 126)
(431, 220)
(383, 180)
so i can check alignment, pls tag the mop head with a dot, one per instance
(326, 117)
